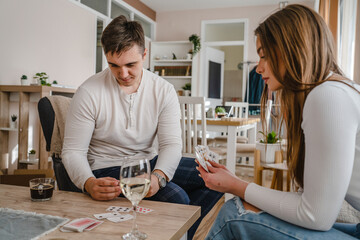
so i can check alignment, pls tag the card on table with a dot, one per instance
(79, 224)
(91, 227)
(128, 209)
(121, 218)
(106, 215)
(118, 209)
(143, 210)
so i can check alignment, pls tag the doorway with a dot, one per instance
(230, 37)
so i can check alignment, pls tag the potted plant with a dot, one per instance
(13, 121)
(220, 112)
(41, 78)
(189, 54)
(32, 153)
(187, 89)
(195, 40)
(268, 146)
(24, 80)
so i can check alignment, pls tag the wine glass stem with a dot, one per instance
(135, 227)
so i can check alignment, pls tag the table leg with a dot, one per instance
(231, 149)
(252, 133)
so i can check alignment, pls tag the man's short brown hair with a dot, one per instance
(121, 35)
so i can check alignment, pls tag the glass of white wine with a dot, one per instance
(135, 183)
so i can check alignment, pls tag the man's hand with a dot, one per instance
(154, 185)
(106, 188)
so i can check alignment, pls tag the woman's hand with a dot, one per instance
(220, 179)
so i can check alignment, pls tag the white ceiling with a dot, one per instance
(179, 5)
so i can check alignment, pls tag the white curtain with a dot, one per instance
(346, 36)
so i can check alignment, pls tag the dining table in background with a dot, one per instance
(230, 127)
(166, 221)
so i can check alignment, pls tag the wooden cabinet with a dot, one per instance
(177, 71)
(23, 118)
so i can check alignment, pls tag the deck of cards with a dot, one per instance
(113, 213)
(203, 155)
(80, 225)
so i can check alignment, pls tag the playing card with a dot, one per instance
(94, 225)
(121, 218)
(143, 210)
(200, 152)
(106, 215)
(79, 224)
(118, 209)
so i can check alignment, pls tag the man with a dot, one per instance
(116, 115)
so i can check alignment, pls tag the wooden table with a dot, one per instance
(231, 126)
(167, 221)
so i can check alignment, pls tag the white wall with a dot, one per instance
(179, 25)
(52, 36)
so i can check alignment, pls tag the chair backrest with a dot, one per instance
(49, 173)
(240, 109)
(47, 119)
(19, 180)
(192, 109)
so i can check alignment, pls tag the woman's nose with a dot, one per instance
(259, 69)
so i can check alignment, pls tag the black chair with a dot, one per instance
(47, 118)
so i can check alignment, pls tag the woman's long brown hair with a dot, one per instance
(300, 38)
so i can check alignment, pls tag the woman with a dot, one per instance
(321, 110)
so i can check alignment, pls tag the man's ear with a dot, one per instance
(144, 54)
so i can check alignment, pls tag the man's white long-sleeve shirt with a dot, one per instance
(104, 125)
(331, 125)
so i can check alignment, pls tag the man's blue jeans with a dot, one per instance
(186, 187)
(234, 222)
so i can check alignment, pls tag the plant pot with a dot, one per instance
(188, 56)
(25, 82)
(32, 157)
(267, 151)
(13, 124)
(187, 93)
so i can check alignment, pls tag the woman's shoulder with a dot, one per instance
(334, 96)
(335, 89)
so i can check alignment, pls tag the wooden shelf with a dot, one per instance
(178, 77)
(173, 61)
(23, 120)
(8, 129)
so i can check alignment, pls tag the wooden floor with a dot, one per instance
(245, 173)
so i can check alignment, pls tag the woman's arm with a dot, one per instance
(329, 126)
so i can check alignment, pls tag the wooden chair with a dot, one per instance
(190, 107)
(278, 168)
(243, 148)
(19, 180)
(193, 109)
(49, 173)
(240, 110)
(47, 117)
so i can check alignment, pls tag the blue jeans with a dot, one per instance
(186, 187)
(234, 222)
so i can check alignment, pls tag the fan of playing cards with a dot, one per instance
(203, 155)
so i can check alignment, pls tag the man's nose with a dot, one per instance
(123, 72)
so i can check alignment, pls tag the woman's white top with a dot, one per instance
(331, 125)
